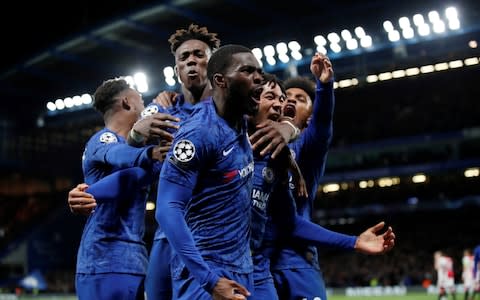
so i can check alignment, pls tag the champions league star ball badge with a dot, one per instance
(150, 110)
(108, 137)
(184, 150)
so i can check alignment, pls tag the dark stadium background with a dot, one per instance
(397, 128)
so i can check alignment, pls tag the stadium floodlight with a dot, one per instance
(366, 41)
(346, 35)
(398, 73)
(269, 51)
(320, 40)
(140, 80)
(322, 49)
(418, 20)
(394, 36)
(168, 72)
(454, 24)
(59, 104)
(471, 61)
(335, 47)
(271, 60)
(427, 69)
(423, 29)
(77, 100)
(471, 172)
(388, 26)
(333, 38)
(281, 48)
(372, 78)
(441, 66)
(404, 22)
(283, 58)
(412, 71)
(294, 46)
(419, 178)
(439, 26)
(408, 33)
(455, 64)
(352, 44)
(170, 81)
(359, 32)
(258, 53)
(433, 16)
(86, 99)
(451, 13)
(68, 102)
(331, 187)
(296, 55)
(51, 106)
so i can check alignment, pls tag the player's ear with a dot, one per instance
(219, 80)
(125, 103)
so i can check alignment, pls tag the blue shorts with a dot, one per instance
(158, 283)
(109, 286)
(264, 289)
(305, 283)
(185, 287)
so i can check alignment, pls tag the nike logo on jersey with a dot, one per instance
(227, 152)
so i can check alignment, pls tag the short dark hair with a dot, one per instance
(302, 82)
(194, 32)
(104, 96)
(222, 58)
(273, 79)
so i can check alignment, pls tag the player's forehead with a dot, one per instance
(190, 46)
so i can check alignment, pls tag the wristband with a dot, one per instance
(296, 131)
(135, 136)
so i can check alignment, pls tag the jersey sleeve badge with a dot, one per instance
(108, 137)
(149, 110)
(184, 151)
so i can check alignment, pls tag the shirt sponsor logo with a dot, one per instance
(260, 198)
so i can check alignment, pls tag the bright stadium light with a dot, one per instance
(140, 80)
(86, 99)
(77, 100)
(394, 36)
(423, 29)
(359, 32)
(451, 13)
(366, 41)
(333, 38)
(68, 102)
(320, 40)
(404, 22)
(418, 20)
(269, 51)
(388, 26)
(59, 104)
(51, 106)
(346, 35)
(433, 16)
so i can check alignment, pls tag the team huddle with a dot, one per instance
(234, 159)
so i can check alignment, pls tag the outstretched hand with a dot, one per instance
(227, 289)
(372, 242)
(321, 67)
